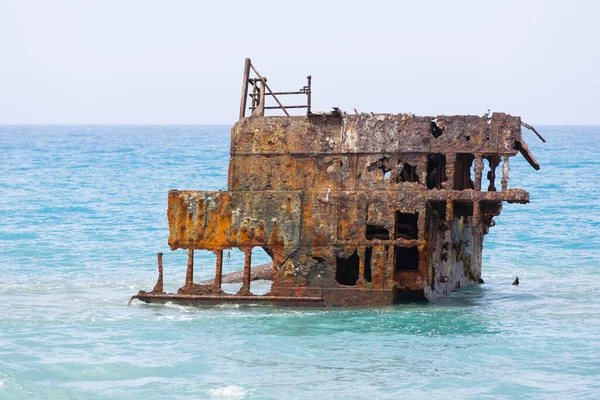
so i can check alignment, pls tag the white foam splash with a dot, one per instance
(228, 392)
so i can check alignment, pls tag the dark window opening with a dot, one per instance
(377, 232)
(406, 226)
(462, 171)
(439, 207)
(463, 209)
(435, 130)
(406, 258)
(408, 173)
(436, 170)
(368, 254)
(346, 272)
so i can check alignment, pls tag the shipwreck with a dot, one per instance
(354, 209)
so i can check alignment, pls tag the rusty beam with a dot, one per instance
(247, 65)
(158, 288)
(524, 150)
(277, 107)
(219, 269)
(531, 128)
(245, 289)
(189, 274)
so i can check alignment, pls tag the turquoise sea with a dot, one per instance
(83, 214)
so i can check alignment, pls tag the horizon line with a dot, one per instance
(203, 124)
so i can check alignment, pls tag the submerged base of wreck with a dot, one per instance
(331, 297)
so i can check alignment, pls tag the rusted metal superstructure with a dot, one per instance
(358, 209)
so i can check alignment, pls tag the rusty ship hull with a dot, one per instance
(354, 210)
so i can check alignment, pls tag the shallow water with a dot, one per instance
(83, 213)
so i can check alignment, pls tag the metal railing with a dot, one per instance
(260, 89)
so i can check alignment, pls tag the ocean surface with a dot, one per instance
(83, 214)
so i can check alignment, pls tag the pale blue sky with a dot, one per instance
(148, 61)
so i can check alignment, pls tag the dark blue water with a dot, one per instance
(83, 213)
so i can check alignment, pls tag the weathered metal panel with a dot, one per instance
(266, 218)
(292, 172)
(199, 219)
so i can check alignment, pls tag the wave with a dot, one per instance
(228, 392)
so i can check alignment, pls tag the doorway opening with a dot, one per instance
(346, 271)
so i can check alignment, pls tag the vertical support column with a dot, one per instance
(389, 267)
(189, 275)
(245, 289)
(361, 267)
(449, 210)
(476, 213)
(421, 169)
(450, 162)
(278, 259)
(422, 224)
(254, 94)
(378, 264)
(158, 288)
(478, 172)
(505, 169)
(261, 101)
(308, 100)
(219, 269)
(245, 88)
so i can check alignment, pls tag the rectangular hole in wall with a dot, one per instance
(346, 270)
(406, 225)
(463, 209)
(377, 232)
(436, 170)
(463, 171)
(233, 261)
(406, 258)
(368, 255)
